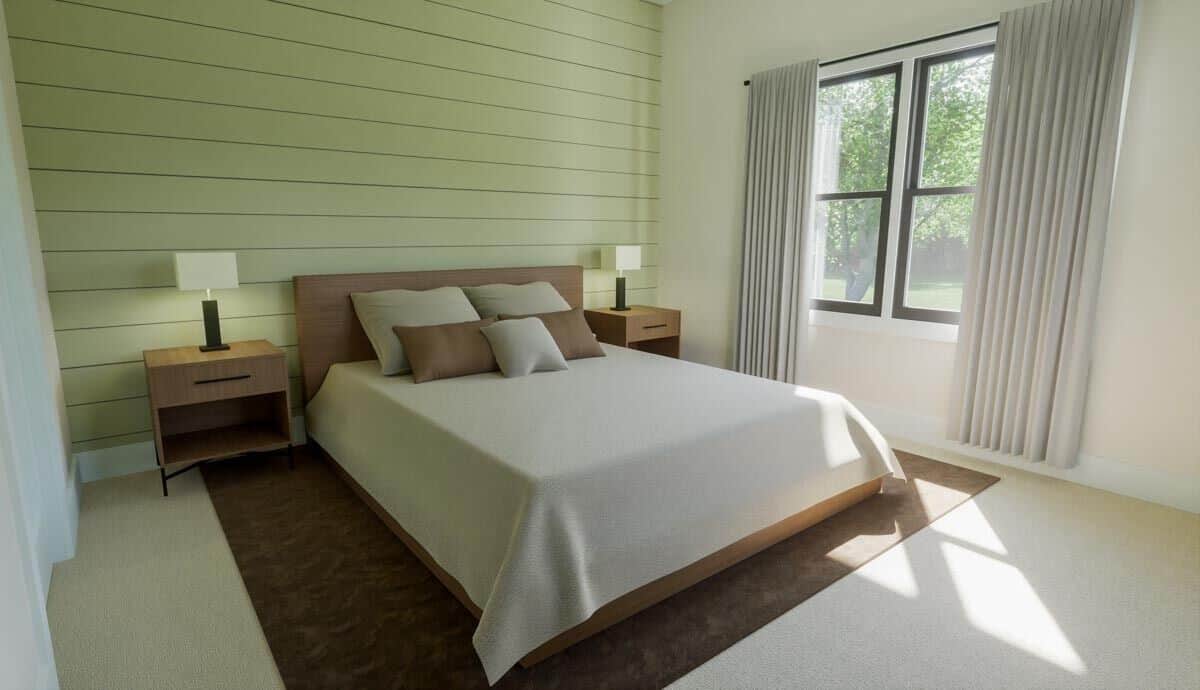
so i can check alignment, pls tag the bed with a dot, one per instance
(556, 504)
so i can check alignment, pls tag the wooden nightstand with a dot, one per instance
(213, 405)
(649, 329)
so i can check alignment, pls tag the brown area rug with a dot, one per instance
(344, 604)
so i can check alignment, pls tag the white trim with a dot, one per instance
(922, 330)
(130, 458)
(926, 436)
(47, 677)
(74, 483)
(116, 461)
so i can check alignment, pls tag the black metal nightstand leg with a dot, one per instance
(162, 473)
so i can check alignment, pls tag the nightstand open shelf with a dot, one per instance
(222, 428)
(211, 444)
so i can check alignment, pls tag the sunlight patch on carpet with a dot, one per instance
(998, 599)
(894, 572)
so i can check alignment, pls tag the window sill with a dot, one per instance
(920, 330)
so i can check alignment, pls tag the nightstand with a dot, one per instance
(213, 405)
(649, 329)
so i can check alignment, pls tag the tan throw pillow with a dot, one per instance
(571, 332)
(447, 350)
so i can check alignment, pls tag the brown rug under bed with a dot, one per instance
(345, 605)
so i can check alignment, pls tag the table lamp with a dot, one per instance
(207, 271)
(620, 259)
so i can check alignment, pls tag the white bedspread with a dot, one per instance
(550, 495)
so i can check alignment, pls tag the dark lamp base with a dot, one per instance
(212, 327)
(620, 305)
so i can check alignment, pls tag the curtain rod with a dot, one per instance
(948, 34)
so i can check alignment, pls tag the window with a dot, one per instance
(856, 120)
(939, 193)
(899, 256)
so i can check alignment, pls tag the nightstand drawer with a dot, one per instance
(648, 326)
(217, 380)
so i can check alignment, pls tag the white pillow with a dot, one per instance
(379, 311)
(523, 346)
(515, 300)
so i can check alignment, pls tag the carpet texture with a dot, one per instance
(344, 604)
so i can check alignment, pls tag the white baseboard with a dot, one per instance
(926, 435)
(139, 457)
(47, 677)
(74, 481)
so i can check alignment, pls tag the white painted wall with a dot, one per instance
(38, 501)
(1144, 407)
(28, 354)
(26, 655)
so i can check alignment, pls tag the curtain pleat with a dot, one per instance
(1037, 241)
(773, 302)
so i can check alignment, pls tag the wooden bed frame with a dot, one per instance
(329, 333)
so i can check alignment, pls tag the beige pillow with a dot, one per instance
(503, 298)
(379, 311)
(447, 350)
(570, 331)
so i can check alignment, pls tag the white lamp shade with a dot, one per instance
(206, 270)
(621, 258)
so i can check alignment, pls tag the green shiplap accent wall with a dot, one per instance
(318, 136)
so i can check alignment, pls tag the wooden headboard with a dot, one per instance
(328, 329)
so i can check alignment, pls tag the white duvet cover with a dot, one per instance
(550, 495)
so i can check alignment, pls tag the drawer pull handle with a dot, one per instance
(657, 325)
(239, 377)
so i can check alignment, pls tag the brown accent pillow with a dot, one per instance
(447, 350)
(571, 332)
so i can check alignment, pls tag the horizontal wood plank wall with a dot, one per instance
(318, 136)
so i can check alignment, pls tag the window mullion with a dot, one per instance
(898, 187)
(842, 196)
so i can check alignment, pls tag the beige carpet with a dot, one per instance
(153, 598)
(1034, 583)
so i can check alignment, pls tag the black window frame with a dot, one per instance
(912, 188)
(874, 308)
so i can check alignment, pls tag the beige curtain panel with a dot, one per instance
(776, 258)
(1037, 243)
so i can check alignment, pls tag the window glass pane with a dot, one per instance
(937, 257)
(955, 110)
(847, 241)
(854, 134)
